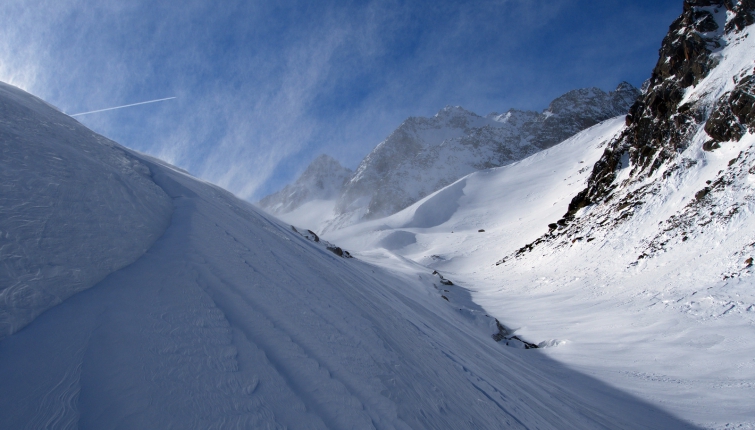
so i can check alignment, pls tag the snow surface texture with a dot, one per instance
(74, 207)
(651, 289)
(234, 320)
(425, 154)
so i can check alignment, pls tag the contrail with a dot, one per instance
(124, 106)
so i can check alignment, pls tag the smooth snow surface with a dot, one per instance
(233, 320)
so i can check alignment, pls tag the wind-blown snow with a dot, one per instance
(73, 208)
(234, 320)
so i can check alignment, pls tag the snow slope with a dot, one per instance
(232, 319)
(670, 331)
(74, 207)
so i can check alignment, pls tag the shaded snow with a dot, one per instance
(73, 208)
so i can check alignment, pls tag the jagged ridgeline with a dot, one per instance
(699, 98)
(424, 155)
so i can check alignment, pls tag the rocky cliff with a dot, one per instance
(697, 107)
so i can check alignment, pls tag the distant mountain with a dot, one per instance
(323, 180)
(425, 154)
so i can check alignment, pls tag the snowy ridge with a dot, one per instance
(426, 154)
(233, 320)
(74, 207)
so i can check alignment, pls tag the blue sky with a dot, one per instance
(264, 87)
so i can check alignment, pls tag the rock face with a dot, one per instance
(701, 95)
(323, 179)
(424, 155)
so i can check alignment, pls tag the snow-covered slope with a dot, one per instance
(639, 266)
(234, 320)
(425, 154)
(74, 207)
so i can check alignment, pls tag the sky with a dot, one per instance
(262, 88)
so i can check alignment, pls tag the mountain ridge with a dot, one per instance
(425, 154)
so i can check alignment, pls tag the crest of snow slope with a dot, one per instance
(73, 208)
(425, 154)
(233, 320)
(651, 282)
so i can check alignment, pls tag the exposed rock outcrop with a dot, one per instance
(679, 109)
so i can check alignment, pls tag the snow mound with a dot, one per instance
(74, 207)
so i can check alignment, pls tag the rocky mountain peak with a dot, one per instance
(659, 125)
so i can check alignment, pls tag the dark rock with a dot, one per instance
(711, 145)
(317, 238)
(505, 336)
(658, 127)
(481, 231)
(336, 250)
(734, 114)
(702, 193)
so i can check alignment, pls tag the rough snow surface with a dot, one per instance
(73, 208)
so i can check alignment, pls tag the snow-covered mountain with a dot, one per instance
(136, 296)
(322, 180)
(630, 246)
(425, 154)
